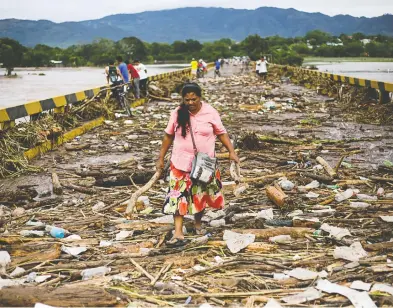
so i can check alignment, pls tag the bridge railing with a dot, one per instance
(57, 104)
(384, 88)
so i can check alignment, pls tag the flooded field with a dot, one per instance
(380, 71)
(30, 86)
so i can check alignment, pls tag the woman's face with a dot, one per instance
(192, 101)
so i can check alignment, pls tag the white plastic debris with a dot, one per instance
(305, 274)
(387, 218)
(98, 206)
(266, 214)
(39, 305)
(309, 294)
(237, 241)
(281, 239)
(364, 197)
(359, 205)
(344, 195)
(312, 195)
(122, 235)
(5, 259)
(279, 276)
(389, 196)
(95, 272)
(73, 251)
(32, 233)
(286, 184)
(382, 288)
(272, 303)
(313, 184)
(335, 232)
(352, 253)
(17, 271)
(19, 211)
(360, 285)
(42, 278)
(72, 237)
(380, 192)
(358, 299)
(10, 282)
(295, 213)
(106, 243)
(166, 219)
(217, 223)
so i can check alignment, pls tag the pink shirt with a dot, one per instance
(206, 125)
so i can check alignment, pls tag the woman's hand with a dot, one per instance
(160, 164)
(233, 156)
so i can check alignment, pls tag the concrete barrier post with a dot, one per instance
(384, 97)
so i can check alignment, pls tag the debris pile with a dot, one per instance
(313, 225)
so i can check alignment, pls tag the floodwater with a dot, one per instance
(380, 71)
(30, 86)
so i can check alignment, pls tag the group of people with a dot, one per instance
(199, 68)
(124, 72)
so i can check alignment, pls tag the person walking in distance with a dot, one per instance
(262, 71)
(136, 80)
(124, 74)
(194, 67)
(112, 73)
(217, 68)
(192, 128)
(142, 71)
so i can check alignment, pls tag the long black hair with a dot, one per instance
(183, 114)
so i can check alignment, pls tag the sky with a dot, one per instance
(77, 10)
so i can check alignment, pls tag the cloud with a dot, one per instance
(76, 10)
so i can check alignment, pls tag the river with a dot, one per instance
(380, 71)
(30, 86)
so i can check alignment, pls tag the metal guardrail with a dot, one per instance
(384, 88)
(8, 115)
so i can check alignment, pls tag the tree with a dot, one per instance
(131, 47)
(301, 48)
(358, 36)
(11, 53)
(318, 37)
(193, 46)
(254, 46)
(354, 49)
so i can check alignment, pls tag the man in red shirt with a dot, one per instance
(135, 76)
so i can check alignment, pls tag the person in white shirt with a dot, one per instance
(262, 68)
(142, 71)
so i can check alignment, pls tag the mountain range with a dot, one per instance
(203, 24)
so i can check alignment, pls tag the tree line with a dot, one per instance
(282, 50)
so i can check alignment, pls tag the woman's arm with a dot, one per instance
(224, 138)
(166, 144)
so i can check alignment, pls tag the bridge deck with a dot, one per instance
(303, 126)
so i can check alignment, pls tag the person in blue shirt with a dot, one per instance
(124, 73)
(217, 70)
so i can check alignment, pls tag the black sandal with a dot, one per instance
(176, 242)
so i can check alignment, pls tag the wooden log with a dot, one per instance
(269, 177)
(265, 234)
(385, 246)
(327, 167)
(134, 198)
(84, 190)
(380, 179)
(254, 247)
(57, 188)
(76, 147)
(320, 178)
(61, 297)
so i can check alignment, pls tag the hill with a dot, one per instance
(203, 24)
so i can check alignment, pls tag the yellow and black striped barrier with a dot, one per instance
(384, 88)
(8, 115)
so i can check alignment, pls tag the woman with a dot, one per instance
(186, 197)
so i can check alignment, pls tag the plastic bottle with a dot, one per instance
(56, 232)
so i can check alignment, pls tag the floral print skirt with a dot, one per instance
(188, 198)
